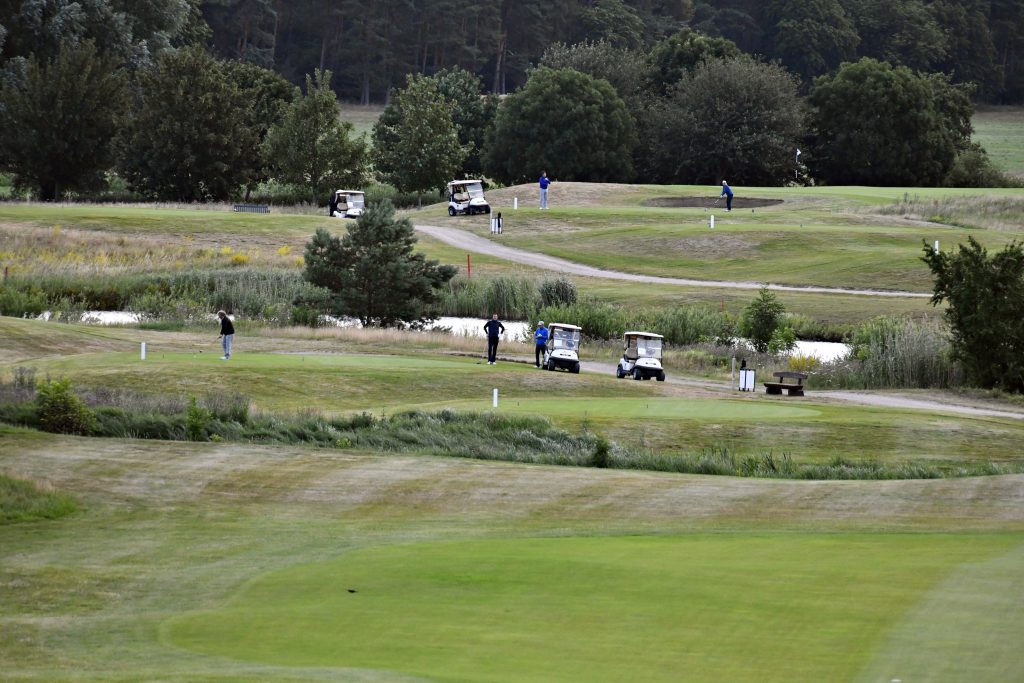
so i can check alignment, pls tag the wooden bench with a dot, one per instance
(252, 208)
(794, 389)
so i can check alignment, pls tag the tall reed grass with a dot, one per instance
(992, 212)
(889, 353)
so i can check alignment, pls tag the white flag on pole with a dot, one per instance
(798, 151)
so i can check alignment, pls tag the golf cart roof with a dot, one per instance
(349, 192)
(465, 182)
(565, 326)
(648, 335)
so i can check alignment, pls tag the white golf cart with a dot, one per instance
(350, 203)
(641, 356)
(563, 347)
(467, 196)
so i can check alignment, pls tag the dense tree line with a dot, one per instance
(371, 45)
(634, 93)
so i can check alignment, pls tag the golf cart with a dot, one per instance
(467, 196)
(563, 347)
(350, 203)
(641, 357)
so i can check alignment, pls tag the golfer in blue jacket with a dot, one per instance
(544, 182)
(541, 339)
(727, 193)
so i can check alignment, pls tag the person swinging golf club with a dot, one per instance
(727, 193)
(227, 334)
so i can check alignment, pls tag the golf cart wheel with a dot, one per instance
(551, 365)
(619, 374)
(661, 376)
(451, 210)
(638, 374)
(576, 369)
(487, 210)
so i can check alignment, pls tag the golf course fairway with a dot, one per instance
(707, 607)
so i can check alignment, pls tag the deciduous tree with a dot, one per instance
(415, 142)
(569, 123)
(985, 310)
(731, 118)
(188, 139)
(312, 147)
(876, 124)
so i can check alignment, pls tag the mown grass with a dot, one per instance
(846, 245)
(172, 531)
(1000, 130)
(637, 608)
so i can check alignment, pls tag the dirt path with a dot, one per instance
(465, 240)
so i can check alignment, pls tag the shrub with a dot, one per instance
(197, 419)
(602, 452)
(558, 292)
(761, 318)
(61, 411)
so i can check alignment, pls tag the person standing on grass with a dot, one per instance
(544, 182)
(227, 334)
(494, 330)
(541, 339)
(727, 193)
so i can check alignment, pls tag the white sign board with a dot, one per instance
(746, 380)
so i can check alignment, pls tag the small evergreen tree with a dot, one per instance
(374, 272)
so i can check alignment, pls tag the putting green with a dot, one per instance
(723, 607)
(654, 408)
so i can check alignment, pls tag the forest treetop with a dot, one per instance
(371, 45)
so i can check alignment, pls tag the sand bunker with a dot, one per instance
(706, 202)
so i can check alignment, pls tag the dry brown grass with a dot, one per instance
(38, 251)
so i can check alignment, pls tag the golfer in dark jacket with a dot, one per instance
(494, 330)
(227, 334)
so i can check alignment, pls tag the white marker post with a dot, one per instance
(936, 246)
(712, 221)
(515, 203)
(494, 402)
(143, 351)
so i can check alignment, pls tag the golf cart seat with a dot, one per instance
(631, 353)
(461, 196)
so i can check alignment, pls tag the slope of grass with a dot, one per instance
(174, 530)
(389, 372)
(595, 609)
(1000, 130)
